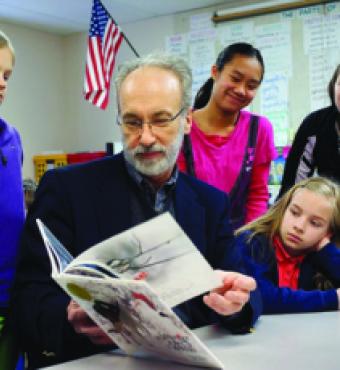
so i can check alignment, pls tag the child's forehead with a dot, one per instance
(305, 193)
(312, 201)
(4, 49)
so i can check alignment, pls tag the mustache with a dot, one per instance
(147, 149)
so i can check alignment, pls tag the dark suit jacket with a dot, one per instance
(85, 204)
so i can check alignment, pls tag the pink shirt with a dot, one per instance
(218, 160)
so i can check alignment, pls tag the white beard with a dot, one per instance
(155, 167)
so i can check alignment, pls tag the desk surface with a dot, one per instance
(294, 342)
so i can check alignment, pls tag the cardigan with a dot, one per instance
(260, 261)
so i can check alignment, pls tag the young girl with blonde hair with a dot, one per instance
(12, 211)
(292, 245)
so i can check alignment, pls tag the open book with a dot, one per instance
(128, 283)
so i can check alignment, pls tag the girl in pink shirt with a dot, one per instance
(228, 147)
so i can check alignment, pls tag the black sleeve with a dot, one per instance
(38, 303)
(295, 155)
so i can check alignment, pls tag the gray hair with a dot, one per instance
(5, 42)
(165, 61)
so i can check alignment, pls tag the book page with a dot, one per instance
(59, 256)
(136, 319)
(159, 251)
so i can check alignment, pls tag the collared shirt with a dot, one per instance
(288, 266)
(160, 200)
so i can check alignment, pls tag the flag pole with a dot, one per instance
(123, 34)
(129, 43)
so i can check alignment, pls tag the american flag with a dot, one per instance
(104, 40)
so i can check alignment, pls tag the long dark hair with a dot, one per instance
(331, 84)
(224, 57)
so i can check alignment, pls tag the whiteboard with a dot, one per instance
(300, 48)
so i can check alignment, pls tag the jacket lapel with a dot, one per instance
(113, 205)
(112, 208)
(190, 214)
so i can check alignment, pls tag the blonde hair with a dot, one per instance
(5, 42)
(269, 224)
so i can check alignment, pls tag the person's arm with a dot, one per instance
(232, 295)
(286, 300)
(39, 304)
(327, 261)
(258, 195)
(259, 262)
(295, 157)
(227, 257)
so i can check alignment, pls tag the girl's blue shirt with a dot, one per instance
(260, 261)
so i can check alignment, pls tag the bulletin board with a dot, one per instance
(300, 47)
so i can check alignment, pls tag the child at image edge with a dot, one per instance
(12, 212)
(290, 249)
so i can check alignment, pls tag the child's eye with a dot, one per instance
(294, 212)
(316, 223)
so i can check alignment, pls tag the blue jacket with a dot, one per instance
(85, 204)
(11, 207)
(260, 260)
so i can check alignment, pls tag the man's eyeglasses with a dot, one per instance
(135, 125)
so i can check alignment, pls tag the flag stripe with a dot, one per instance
(104, 40)
(110, 52)
(119, 41)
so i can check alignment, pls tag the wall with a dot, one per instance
(45, 99)
(91, 126)
(300, 47)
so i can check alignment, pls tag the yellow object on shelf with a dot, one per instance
(44, 162)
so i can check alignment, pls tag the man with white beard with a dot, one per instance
(88, 203)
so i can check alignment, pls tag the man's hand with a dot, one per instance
(232, 295)
(82, 324)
